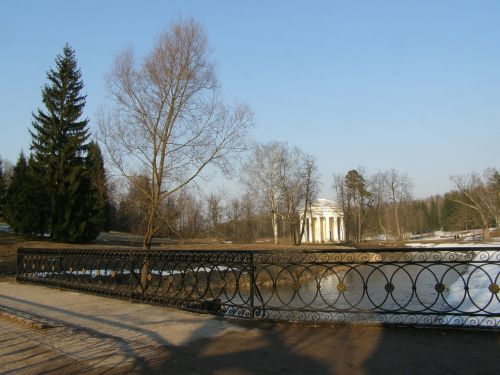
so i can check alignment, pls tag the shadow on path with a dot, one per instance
(86, 343)
(435, 351)
(121, 347)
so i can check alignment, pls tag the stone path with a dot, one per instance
(45, 330)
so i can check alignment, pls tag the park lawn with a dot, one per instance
(9, 243)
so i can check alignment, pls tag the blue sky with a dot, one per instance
(410, 85)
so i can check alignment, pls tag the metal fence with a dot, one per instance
(452, 287)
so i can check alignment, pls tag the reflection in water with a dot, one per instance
(370, 288)
(435, 293)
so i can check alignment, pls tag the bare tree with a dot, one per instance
(491, 193)
(234, 212)
(299, 180)
(310, 178)
(378, 184)
(8, 169)
(133, 205)
(399, 187)
(480, 196)
(262, 177)
(248, 214)
(285, 179)
(215, 208)
(168, 121)
(342, 197)
(189, 216)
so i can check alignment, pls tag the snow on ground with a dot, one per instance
(495, 243)
(6, 228)
(439, 235)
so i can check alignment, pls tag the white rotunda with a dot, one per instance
(324, 223)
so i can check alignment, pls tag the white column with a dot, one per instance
(342, 231)
(334, 228)
(303, 237)
(318, 229)
(309, 229)
(328, 229)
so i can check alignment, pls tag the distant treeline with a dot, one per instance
(378, 206)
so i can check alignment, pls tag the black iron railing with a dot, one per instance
(453, 287)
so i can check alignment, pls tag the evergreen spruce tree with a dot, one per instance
(434, 222)
(99, 205)
(25, 210)
(2, 189)
(59, 145)
(17, 202)
(424, 225)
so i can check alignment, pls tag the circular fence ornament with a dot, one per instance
(494, 288)
(440, 287)
(389, 287)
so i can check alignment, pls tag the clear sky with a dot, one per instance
(410, 85)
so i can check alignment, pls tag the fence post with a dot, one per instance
(130, 275)
(252, 281)
(59, 271)
(19, 267)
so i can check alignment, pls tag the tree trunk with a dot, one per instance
(383, 229)
(304, 219)
(380, 220)
(358, 236)
(146, 245)
(293, 236)
(396, 217)
(486, 229)
(302, 227)
(275, 227)
(486, 225)
(150, 227)
(145, 275)
(486, 233)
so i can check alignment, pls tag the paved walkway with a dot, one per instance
(45, 330)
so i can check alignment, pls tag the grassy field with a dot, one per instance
(9, 243)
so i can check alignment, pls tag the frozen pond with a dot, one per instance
(440, 291)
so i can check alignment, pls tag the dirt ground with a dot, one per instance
(9, 243)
